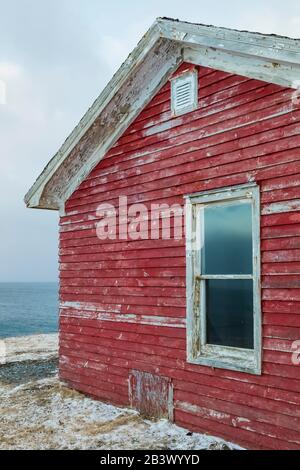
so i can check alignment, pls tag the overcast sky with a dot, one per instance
(55, 58)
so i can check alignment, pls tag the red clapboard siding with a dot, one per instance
(123, 301)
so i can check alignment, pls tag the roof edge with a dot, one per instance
(165, 19)
(272, 49)
(32, 197)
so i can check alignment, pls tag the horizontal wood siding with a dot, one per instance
(123, 301)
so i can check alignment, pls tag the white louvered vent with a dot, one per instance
(184, 93)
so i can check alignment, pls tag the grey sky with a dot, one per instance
(55, 58)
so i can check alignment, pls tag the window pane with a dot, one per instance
(229, 313)
(227, 239)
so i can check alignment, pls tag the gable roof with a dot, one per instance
(168, 43)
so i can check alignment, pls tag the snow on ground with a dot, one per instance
(39, 412)
(29, 348)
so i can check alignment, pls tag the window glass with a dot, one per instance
(229, 312)
(227, 239)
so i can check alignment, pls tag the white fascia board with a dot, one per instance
(134, 59)
(253, 67)
(269, 47)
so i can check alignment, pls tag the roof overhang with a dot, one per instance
(168, 43)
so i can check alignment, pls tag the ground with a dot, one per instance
(39, 412)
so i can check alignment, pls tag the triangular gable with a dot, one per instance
(165, 46)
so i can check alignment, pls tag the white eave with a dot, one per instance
(273, 59)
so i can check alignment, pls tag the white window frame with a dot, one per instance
(198, 352)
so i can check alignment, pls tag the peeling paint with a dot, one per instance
(279, 207)
(94, 312)
(151, 394)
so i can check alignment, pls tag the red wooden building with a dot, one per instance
(200, 124)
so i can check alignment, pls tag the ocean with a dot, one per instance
(28, 308)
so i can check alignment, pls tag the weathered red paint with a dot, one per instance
(159, 402)
(244, 130)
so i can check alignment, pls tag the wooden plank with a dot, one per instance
(291, 268)
(205, 393)
(94, 390)
(67, 322)
(91, 336)
(289, 307)
(280, 231)
(287, 243)
(281, 319)
(249, 438)
(281, 282)
(243, 411)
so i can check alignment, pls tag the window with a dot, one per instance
(223, 278)
(184, 93)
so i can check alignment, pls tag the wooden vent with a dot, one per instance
(184, 93)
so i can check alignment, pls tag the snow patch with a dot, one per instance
(45, 414)
(31, 348)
